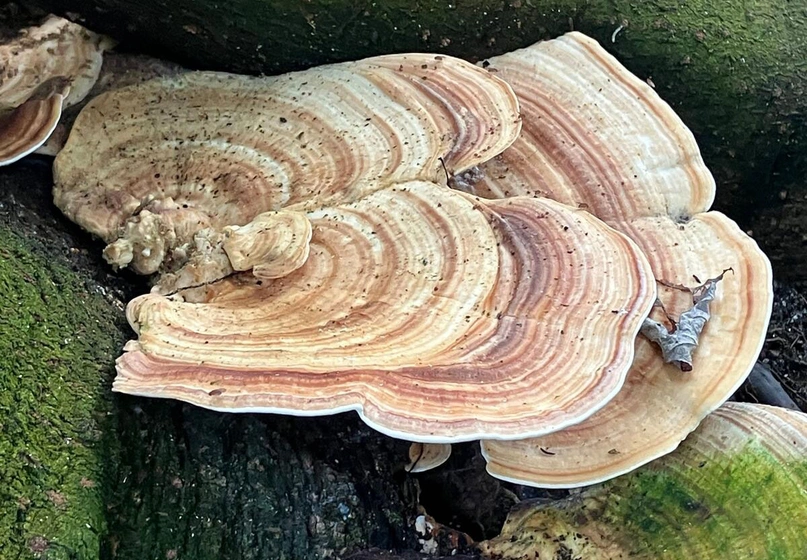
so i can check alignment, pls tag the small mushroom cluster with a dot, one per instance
(44, 70)
(311, 258)
(595, 136)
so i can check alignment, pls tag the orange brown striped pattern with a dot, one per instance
(440, 317)
(597, 137)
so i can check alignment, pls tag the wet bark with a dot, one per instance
(175, 481)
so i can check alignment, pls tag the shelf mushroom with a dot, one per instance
(118, 70)
(44, 70)
(437, 316)
(427, 456)
(177, 155)
(429, 313)
(596, 137)
(736, 488)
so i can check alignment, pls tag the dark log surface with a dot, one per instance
(166, 479)
(763, 383)
(175, 481)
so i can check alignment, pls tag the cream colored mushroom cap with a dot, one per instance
(56, 51)
(659, 404)
(214, 150)
(27, 127)
(427, 456)
(597, 137)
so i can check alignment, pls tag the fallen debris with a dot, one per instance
(678, 345)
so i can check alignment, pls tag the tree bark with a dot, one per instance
(59, 333)
(166, 480)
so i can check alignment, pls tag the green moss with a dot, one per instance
(57, 345)
(743, 506)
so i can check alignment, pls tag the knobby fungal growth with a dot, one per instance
(439, 316)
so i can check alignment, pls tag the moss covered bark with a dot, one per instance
(199, 484)
(735, 71)
(57, 445)
(173, 481)
(85, 474)
(735, 489)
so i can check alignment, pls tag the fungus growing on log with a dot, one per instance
(43, 70)
(735, 488)
(272, 245)
(427, 456)
(25, 128)
(597, 137)
(153, 164)
(438, 317)
(118, 70)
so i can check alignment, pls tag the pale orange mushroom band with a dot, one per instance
(438, 317)
(204, 150)
(596, 137)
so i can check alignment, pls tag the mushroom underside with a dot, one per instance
(49, 68)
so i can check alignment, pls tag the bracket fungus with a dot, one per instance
(42, 71)
(597, 137)
(429, 312)
(427, 456)
(736, 488)
(118, 70)
(176, 155)
(438, 316)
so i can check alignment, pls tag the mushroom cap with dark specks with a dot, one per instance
(58, 51)
(439, 317)
(597, 137)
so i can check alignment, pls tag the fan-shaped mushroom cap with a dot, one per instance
(56, 51)
(596, 136)
(25, 128)
(660, 404)
(118, 70)
(427, 456)
(438, 317)
(212, 150)
(736, 488)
